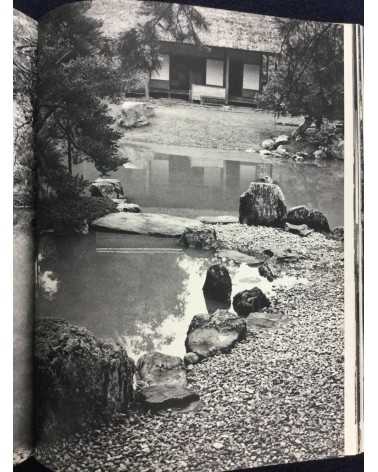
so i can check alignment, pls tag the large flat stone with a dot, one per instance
(146, 223)
(162, 382)
(219, 220)
(158, 397)
(240, 258)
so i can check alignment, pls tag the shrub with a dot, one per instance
(66, 215)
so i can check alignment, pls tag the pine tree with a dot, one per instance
(76, 73)
(308, 79)
(139, 47)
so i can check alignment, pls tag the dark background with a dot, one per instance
(341, 11)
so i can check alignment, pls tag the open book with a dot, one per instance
(187, 238)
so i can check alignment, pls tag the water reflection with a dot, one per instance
(144, 300)
(197, 179)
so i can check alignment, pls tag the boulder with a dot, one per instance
(338, 233)
(240, 258)
(300, 230)
(111, 188)
(128, 207)
(282, 151)
(218, 220)
(268, 144)
(199, 238)
(262, 204)
(135, 114)
(265, 179)
(79, 379)
(265, 152)
(162, 382)
(146, 223)
(218, 285)
(191, 358)
(157, 368)
(210, 334)
(320, 153)
(281, 139)
(266, 271)
(314, 219)
(249, 301)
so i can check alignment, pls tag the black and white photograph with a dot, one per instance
(179, 212)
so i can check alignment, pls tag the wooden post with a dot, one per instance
(227, 76)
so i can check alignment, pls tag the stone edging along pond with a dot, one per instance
(161, 380)
(276, 396)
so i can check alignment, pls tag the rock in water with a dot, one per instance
(79, 379)
(146, 223)
(262, 204)
(204, 238)
(249, 301)
(218, 285)
(211, 334)
(266, 271)
(314, 219)
(110, 188)
(162, 382)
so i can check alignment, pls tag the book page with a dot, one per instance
(190, 309)
(24, 53)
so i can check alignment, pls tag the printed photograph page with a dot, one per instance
(190, 223)
(24, 70)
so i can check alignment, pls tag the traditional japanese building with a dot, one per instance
(231, 63)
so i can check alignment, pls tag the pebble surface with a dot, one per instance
(276, 398)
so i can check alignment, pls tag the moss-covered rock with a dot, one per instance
(79, 379)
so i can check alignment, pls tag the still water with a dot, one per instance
(198, 181)
(136, 290)
(143, 291)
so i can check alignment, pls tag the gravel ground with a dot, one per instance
(277, 397)
(185, 124)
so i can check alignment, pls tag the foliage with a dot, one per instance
(308, 78)
(76, 74)
(66, 213)
(24, 72)
(139, 47)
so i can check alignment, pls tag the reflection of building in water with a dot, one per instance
(192, 182)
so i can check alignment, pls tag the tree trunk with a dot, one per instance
(147, 87)
(302, 128)
(69, 156)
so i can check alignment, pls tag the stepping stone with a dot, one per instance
(146, 223)
(218, 220)
(239, 257)
(301, 230)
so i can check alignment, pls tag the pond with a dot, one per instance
(139, 291)
(194, 181)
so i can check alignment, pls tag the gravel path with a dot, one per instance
(277, 397)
